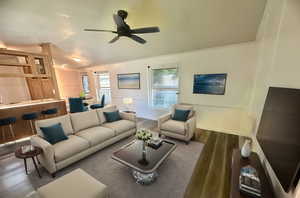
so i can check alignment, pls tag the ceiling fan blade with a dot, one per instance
(145, 30)
(119, 21)
(95, 30)
(114, 39)
(138, 39)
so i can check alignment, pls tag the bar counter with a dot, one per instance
(22, 127)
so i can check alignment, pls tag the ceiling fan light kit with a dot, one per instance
(123, 29)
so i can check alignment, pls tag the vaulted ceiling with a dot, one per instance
(185, 25)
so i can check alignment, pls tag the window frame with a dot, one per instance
(151, 87)
(99, 87)
(88, 83)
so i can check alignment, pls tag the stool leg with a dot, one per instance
(12, 131)
(3, 133)
(31, 127)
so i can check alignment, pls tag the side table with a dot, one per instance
(31, 154)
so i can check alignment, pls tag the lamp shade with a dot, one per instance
(127, 101)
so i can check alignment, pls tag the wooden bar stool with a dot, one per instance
(30, 117)
(49, 112)
(9, 121)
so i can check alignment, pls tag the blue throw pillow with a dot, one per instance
(54, 133)
(112, 116)
(181, 115)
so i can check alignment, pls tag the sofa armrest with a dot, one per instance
(163, 119)
(128, 116)
(47, 156)
(190, 127)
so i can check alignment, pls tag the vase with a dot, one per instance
(144, 161)
(246, 149)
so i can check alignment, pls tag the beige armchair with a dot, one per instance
(178, 129)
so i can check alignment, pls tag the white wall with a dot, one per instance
(278, 63)
(69, 82)
(221, 113)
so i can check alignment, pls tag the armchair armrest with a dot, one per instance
(190, 127)
(163, 119)
(128, 116)
(47, 157)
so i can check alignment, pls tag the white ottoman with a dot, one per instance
(77, 184)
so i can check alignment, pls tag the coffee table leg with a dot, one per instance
(144, 179)
(25, 165)
(36, 168)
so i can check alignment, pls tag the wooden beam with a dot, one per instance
(46, 49)
(20, 75)
(15, 64)
(19, 53)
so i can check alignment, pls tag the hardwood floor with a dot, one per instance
(211, 177)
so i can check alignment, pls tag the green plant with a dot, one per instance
(143, 134)
(82, 94)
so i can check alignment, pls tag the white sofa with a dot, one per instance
(87, 133)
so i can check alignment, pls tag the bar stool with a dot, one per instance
(9, 121)
(30, 117)
(49, 112)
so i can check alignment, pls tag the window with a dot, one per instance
(165, 85)
(85, 83)
(104, 87)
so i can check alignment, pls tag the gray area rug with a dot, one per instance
(174, 173)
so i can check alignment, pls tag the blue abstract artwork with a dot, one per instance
(210, 84)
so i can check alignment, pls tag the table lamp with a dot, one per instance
(127, 102)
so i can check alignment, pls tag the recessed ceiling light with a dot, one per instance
(77, 59)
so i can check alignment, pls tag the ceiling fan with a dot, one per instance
(123, 29)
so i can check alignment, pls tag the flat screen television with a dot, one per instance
(279, 134)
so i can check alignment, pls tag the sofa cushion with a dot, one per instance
(96, 135)
(105, 109)
(54, 133)
(84, 120)
(112, 116)
(120, 126)
(183, 107)
(64, 120)
(181, 115)
(69, 147)
(173, 126)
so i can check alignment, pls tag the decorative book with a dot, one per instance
(155, 143)
(249, 183)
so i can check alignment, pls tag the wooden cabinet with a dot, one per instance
(37, 70)
(48, 88)
(40, 88)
